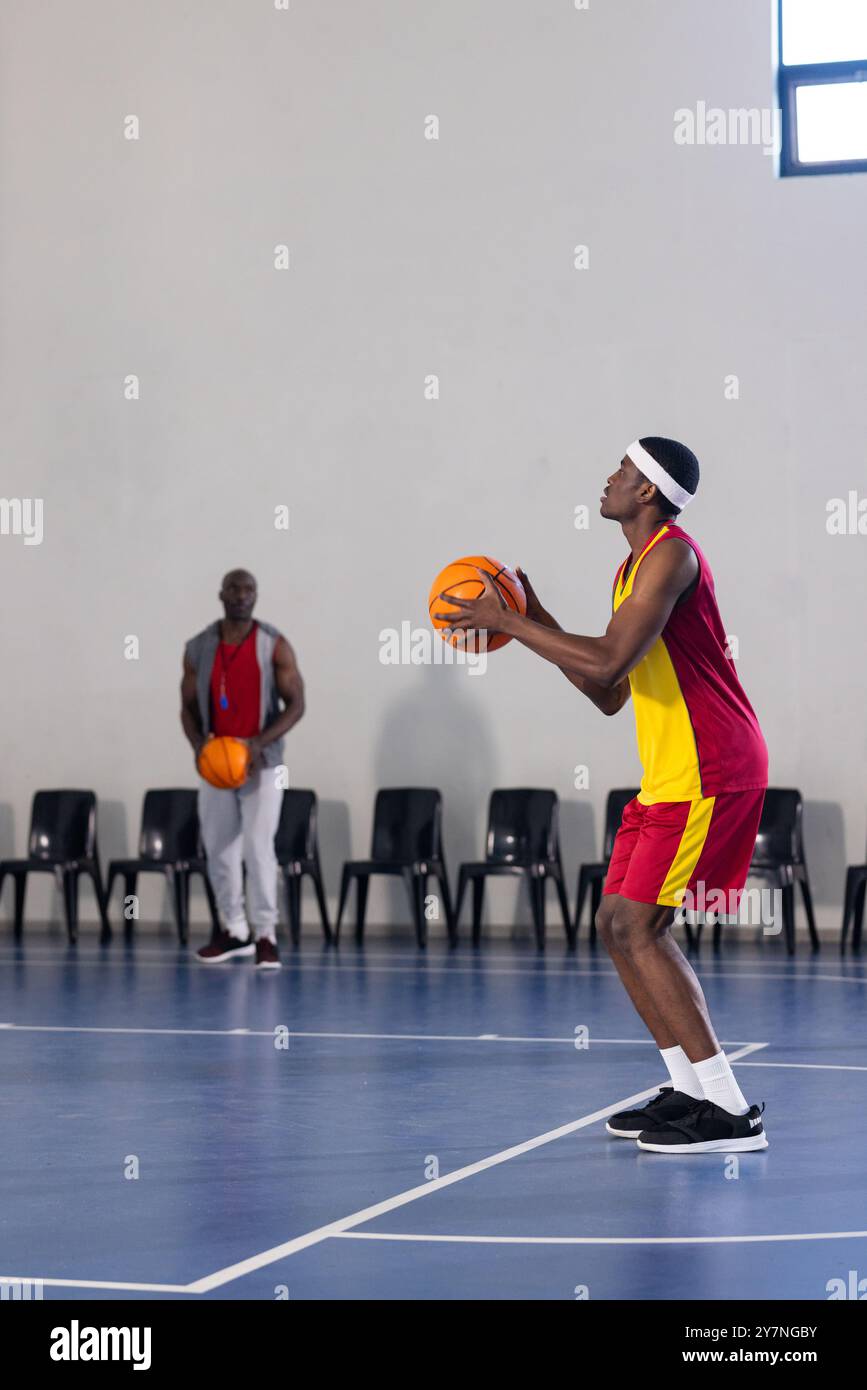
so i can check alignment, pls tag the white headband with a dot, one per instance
(655, 473)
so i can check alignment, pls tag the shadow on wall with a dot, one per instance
(825, 851)
(580, 843)
(7, 851)
(334, 850)
(434, 736)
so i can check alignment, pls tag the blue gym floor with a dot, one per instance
(305, 1172)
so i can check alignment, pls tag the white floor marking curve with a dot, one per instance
(414, 1194)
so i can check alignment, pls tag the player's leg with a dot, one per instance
(722, 1121)
(637, 860)
(661, 982)
(631, 980)
(681, 845)
(670, 1103)
(220, 824)
(261, 799)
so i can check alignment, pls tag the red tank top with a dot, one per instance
(236, 689)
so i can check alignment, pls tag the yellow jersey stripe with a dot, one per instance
(688, 852)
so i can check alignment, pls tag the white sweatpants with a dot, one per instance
(238, 828)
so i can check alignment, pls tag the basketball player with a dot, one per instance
(693, 824)
(236, 673)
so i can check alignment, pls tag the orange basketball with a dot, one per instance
(460, 578)
(224, 762)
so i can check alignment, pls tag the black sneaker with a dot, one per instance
(267, 955)
(225, 947)
(708, 1129)
(667, 1105)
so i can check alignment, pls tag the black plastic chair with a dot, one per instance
(62, 842)
(779, 858)
(523, 840)
(169, 844)
(592, 876)
(407, 843)
(853, 905)
(297, 848)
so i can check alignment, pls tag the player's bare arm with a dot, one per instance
(607, 699)
(191, 722)
(666, 574)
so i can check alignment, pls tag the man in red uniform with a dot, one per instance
(237, 674)
(691, 830)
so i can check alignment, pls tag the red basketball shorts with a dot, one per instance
(693, 850)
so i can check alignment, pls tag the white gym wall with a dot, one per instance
(411, 257)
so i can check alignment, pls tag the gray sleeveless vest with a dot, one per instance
(200, 652)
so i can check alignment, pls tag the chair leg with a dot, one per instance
(361, 907)
(94, 872)
(788, 896)
(478, 900)
(180, 882)
(442, 878)
(564, 907)
(293, 904)
(345, 880)
(319, 889)
(808, 908)
(580, 895)
(717, 934)
(537, 884)
(595, 900)
(859, 915)
(687, 931)
(852, 884)
(70, 902)
(459, 899)
(416, 884)
(129, 886)
(20, 894)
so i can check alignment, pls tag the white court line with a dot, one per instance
(343, 1227)
(92, 1284)
(339, 964)
(406, 1037)
(600, 1240)
(413, 1194)
(807, 1066)
(383, 1037)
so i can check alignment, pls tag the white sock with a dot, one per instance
(238, 929)
(718, 1083)
(683, 1078)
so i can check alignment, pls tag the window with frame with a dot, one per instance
(822, 86)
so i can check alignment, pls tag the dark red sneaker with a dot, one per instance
(267, 955)
(224, 947)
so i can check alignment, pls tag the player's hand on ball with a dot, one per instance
(482, 614)
(534, 607)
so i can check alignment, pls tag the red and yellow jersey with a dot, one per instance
(698, 734)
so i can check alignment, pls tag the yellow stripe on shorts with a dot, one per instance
(688, 851)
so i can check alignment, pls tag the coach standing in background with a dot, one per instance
(236, 674)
